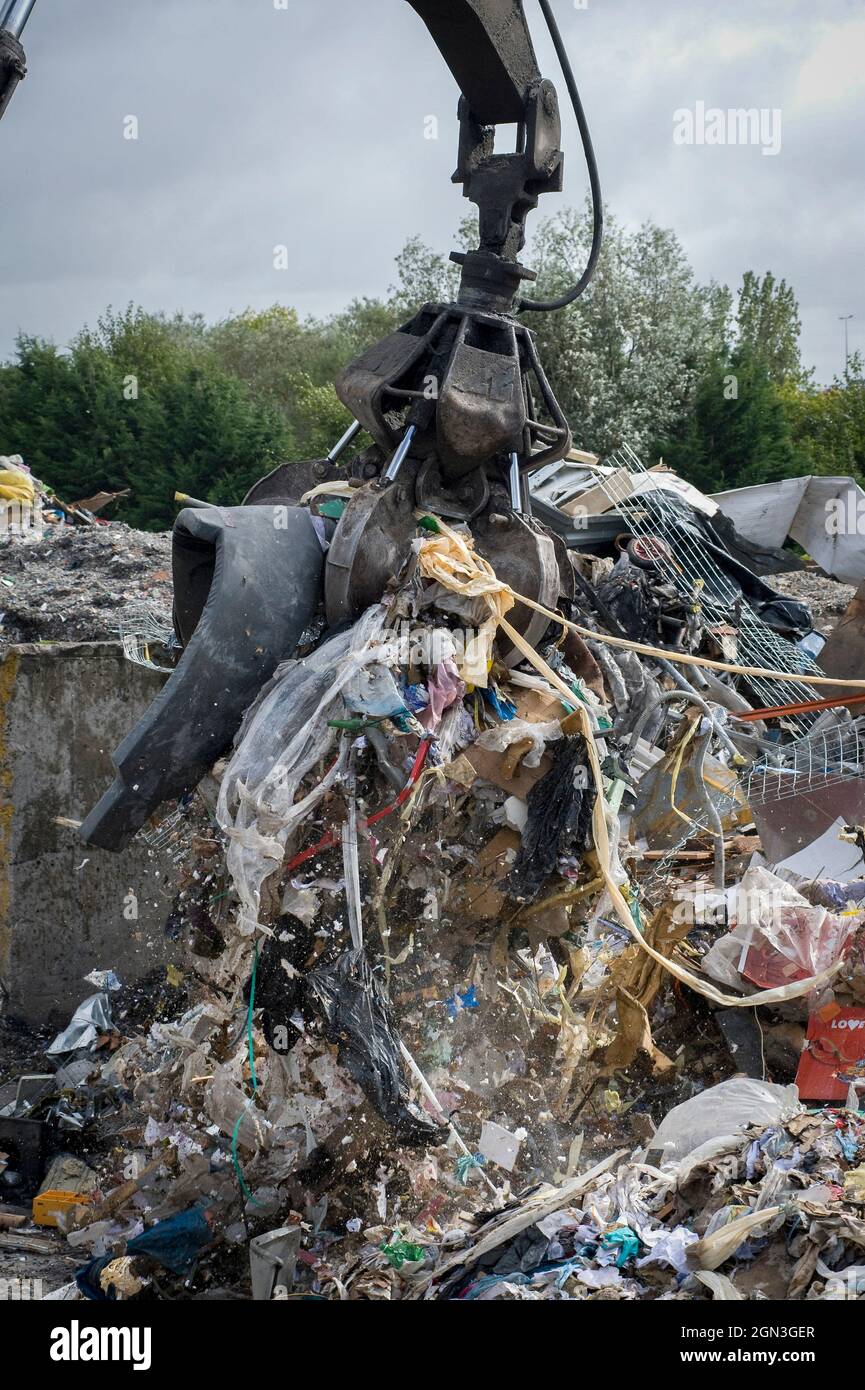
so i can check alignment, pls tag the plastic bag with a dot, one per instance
(226, 1103)
(374, 692)
(721, 1112)
(16, 482)
(176, 1243)
(779, 936)
(89, 1021)
(560, 810)
(357, 1017)
(499, 740)
(284, 736)
(445, 689)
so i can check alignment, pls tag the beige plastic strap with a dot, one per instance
(685, 658)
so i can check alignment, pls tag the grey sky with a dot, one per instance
(305, 126)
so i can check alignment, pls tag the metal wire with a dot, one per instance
(172, 836)
(143, 629)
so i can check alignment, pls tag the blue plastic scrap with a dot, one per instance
(176, 1244)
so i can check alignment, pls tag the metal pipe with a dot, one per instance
(399, 457)
(703, 745)
(687, 689)
(516, 484)
(15, 16)
(668, 697)
(351, 433)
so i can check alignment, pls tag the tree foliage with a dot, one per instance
(139, 402)
(769, 327)
(738, 432)
(626, 358)
(647, 356)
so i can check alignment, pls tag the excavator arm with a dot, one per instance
(14, 14)
(488, 48)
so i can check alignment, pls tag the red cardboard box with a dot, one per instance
(834, 1053)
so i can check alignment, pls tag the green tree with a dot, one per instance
(626, 358)
(768, 325)
(738, 432)
(828, 424)
(137, 402)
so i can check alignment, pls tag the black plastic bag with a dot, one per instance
(357, 1018)
(560, 815)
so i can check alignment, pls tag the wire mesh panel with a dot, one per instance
(820, 760)
(650, 512)
(171, 836)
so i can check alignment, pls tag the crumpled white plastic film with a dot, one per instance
(284, 736)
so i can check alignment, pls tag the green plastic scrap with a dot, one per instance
(429, 523)
(464, 1166)
(402, 1252)
(332, 507)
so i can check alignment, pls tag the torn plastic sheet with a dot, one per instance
(284, 736)
(669, 1248)
(358, 1019)
(803, 509)
(89, 1021)
(373, 691)
(715, 1249)
(104, 980)
(228, 1107)
(445, 689)
(723, 1290)
(837, 896)
(500, 739)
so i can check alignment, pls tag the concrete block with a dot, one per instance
(66, 909)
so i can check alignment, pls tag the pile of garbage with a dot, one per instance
(82, 583)
(514, 971)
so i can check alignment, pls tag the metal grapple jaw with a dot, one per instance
(248, 581)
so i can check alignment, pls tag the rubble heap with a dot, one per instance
(80, 583)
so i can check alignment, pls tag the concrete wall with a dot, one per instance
(63, 709)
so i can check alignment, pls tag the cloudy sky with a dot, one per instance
(301, 122)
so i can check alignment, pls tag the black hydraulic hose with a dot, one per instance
(547, 305)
